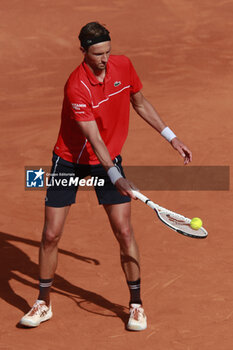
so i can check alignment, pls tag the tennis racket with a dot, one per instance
(175, 221)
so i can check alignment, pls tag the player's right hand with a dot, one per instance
(125, 187)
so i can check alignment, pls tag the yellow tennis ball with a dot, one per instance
(196, 223)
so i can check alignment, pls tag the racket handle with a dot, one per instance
(140, 196)
(145, 199)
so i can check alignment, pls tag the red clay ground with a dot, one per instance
(182, 51)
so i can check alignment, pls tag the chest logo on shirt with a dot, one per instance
(117, 83)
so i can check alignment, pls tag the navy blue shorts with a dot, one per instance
(62, 190)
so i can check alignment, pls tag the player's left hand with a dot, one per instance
(182, 149)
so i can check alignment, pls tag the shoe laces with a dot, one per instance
(136, 313)
(38, 307)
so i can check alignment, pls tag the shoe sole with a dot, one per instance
(136, 328)
(28, 323)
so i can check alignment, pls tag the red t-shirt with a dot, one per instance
(108, 103)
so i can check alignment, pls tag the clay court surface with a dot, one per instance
(182, 51)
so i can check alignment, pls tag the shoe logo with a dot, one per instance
(117, 83)
(43, 313)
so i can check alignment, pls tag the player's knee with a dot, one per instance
(124, 236)
(51, 237)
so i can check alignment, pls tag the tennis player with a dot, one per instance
(94, 127)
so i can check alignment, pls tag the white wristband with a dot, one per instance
(168, 134)
(114, 174)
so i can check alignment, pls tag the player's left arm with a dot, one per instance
(149, 114)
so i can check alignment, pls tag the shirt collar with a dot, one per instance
(92, 78)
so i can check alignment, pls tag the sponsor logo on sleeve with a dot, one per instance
(78, 106)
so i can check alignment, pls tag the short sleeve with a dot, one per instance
(135, 82)
(79, 101)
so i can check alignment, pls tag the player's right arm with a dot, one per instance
(91, 132)
(80, 100)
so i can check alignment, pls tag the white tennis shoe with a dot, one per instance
(137, 318)
(40, 312)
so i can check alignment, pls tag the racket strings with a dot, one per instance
(179, 218)
(171, 215)
(181, 225)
